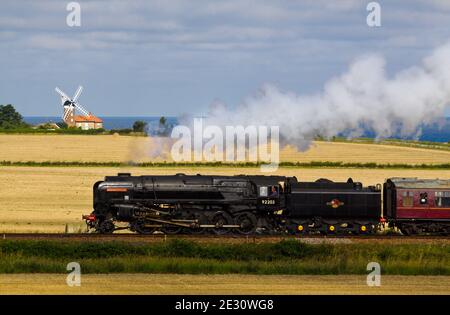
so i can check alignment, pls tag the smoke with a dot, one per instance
(363, 98)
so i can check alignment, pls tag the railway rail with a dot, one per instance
(222, 238)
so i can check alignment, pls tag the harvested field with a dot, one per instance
(44, 199)
(220, 284)
(363, 153)
(115, 148)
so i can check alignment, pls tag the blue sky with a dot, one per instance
(143, 58)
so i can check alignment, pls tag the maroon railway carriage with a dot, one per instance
(417, 205)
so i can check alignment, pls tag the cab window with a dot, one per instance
(273, 192)
(269, 191)
(263, 191)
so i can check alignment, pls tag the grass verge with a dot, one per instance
(188, 257)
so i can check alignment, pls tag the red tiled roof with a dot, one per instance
(90, 118)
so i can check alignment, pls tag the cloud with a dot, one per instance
(53, 42)
(195, 51)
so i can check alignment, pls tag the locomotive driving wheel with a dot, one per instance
(219, 219)
(196, 230)
(171, 229)
(247, 222)
(140, 227)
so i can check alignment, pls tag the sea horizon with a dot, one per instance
(439, 132)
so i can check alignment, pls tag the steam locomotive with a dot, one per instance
(266, 204)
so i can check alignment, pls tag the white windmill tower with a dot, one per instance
(70, 104)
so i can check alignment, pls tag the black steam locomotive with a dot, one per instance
(237, 204)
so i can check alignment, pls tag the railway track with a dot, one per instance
(222, 238)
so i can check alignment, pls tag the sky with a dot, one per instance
(152, 58)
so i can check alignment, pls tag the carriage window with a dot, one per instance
(423, 198)
(442, 198)
(408, 198)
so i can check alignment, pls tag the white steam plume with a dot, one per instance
(360, 99)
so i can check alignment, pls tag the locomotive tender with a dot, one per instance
(251, 204)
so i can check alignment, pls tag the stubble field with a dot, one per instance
(115, 148)
(220, 284)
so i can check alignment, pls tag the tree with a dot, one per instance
(10, 118)
(139, 126)
(47, 126)
(163, 128)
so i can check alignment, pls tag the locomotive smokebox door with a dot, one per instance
(269, 197)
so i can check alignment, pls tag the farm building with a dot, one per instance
(87, 122)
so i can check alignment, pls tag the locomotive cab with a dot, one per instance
(269, 196)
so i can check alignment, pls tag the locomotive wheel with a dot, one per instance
(202, 219)
(361, 229)
(331, 229)
(140, 228)
(194, 231)
(171, 229)
(247, 222)
(406, 231)
(220, 219)
(302, 228)
(106, 227)
(409, 229)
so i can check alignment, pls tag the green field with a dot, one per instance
(188, 257)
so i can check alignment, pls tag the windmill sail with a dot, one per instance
(81, 109)
(77, 93)
(64, 97)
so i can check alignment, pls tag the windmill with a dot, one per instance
(70, 104)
